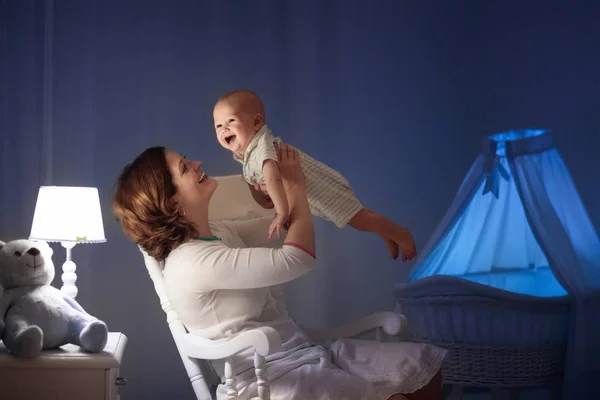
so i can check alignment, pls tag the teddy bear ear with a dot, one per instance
(1, 244)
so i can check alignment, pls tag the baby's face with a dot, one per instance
(234, 125)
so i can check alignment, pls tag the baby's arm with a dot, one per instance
(277, 194)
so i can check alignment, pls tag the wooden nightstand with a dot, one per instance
(66, 373)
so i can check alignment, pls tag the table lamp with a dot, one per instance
(69, 215)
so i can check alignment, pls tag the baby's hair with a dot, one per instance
(246, 96)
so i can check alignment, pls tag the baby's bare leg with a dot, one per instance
(394, 235)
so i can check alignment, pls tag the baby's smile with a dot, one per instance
(230, 138)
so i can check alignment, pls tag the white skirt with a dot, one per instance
(349, 369)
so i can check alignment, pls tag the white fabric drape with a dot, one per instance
(563, 228)
(489, 233)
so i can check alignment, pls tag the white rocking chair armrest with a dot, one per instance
(264, 341)
(392, 324)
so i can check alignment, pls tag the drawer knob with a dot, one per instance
(121, 381)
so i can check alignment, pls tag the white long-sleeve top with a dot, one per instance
(220, 288)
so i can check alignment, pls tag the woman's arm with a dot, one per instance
(301, 232)
(212, 266)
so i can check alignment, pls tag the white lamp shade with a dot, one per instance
(68, 214)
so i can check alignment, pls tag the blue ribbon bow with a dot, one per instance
(492, 169)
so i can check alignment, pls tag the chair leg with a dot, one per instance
(230, 383)
(262, 384)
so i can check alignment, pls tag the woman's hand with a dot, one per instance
(301, 232)
(289, 166)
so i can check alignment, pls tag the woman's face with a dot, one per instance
(194, 187)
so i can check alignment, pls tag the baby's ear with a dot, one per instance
(258, 119)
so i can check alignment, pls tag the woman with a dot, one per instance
(222, 279)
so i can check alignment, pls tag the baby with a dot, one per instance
(239, 119)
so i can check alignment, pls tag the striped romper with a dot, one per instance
(329, 194)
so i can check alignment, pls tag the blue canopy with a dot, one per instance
(518, 223)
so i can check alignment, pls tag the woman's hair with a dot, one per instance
(141, 204)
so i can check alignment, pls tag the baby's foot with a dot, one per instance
(406, 243)
(402, 241)
(393, 248)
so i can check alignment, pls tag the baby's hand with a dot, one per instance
(279, 222)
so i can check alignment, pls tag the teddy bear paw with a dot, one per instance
(94, 336)
(27, 343)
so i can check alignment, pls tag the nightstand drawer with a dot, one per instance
(66, 373)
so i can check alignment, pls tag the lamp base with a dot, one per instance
(69, 277)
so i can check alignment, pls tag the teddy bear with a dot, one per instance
(35, 315)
